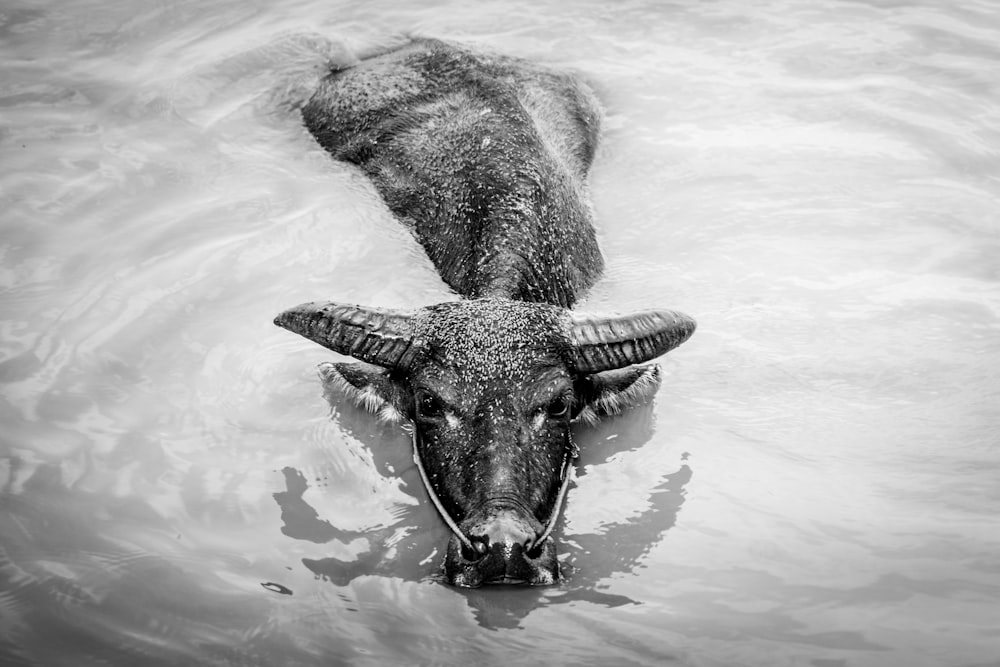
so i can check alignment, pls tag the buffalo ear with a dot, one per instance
(610, 392)
(370, 387)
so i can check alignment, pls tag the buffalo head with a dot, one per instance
(490, 387)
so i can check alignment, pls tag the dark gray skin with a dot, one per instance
(484, 158)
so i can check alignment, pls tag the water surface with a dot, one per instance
(816, 483)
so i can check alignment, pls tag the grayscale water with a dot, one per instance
(817, 482)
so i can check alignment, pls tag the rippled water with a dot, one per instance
(817, 483)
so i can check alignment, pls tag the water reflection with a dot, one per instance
(412, 548)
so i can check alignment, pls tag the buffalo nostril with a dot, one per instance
(478, 550)
(505, 532)
(533, 549)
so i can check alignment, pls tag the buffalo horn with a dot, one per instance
(377, 336)
(607, 343)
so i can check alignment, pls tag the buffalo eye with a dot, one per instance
(558, 408)
(429, 405)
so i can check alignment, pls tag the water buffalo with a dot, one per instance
(484, 159)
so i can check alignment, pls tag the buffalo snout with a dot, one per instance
(503, 548)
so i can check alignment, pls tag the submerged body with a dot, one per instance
(484, 158)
